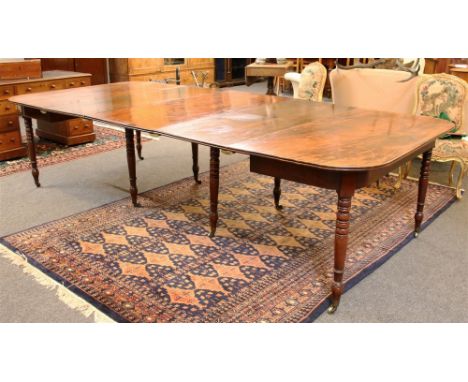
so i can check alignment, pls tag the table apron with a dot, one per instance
(325, 178)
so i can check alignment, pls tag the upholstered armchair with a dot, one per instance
(310, 83)
(443, 96)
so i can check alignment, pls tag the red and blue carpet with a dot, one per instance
(158, 264)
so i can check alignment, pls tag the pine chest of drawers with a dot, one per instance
(69, 132)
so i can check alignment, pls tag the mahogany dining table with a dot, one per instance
(318, 144)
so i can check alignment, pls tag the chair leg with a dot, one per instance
(452, 170)
(407, 169)
(403, 172)
(460, 179)
(400, 177)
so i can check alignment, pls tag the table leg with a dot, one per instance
(422, 190)
(31, 149)
(277, 193)
(138, 144)
(214, 188)
(271, 87)
(131, 165)
(195, 167)
(345, 194)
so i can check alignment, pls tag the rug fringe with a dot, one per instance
(63, 294)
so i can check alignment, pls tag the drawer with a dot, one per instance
(78, 82)
(6, 108)
(67, 128)
(79, 126)
(9, 122)
(56, 85)
(6, 91)
(10, 140)
(32, 87)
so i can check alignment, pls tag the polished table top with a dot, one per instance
(317, 134)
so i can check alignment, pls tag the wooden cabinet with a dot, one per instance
(10, 136)
(158, 69)
(97, 67)
(231, 71)
(76, 130)
(68, 132)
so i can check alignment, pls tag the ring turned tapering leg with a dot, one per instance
(422, 190)
(195, 167)
(32, 149)
(130, 144)
(345, 194)
(214, 189)
(277, 193)
(138, 144)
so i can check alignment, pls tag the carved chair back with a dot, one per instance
(442, 96)
(312, 82)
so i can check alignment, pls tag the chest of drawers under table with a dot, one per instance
(68, 132)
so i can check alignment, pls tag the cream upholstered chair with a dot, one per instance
(374, 89)
(444, 96)
(309, 84)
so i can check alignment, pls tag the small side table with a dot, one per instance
(271, 71)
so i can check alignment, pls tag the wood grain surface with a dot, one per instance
(317, 134)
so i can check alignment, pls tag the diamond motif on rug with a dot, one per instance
(158, 263)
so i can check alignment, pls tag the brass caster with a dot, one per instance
(197, 181)
(332, 309)
(415, 234)
(136, 205)
(279, 207)
(212, 233)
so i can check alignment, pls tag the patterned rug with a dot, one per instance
(49, 153)
(157, 263)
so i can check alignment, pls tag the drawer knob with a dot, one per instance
(75, 127)
(29, 89)
(7, 108)
(6, 92)
(86, 125)
(53, 86)
(72, 84)
(82, 82)
(12, 139)
(10, 123)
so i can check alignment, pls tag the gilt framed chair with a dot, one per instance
(443, 96)
(309, 84)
